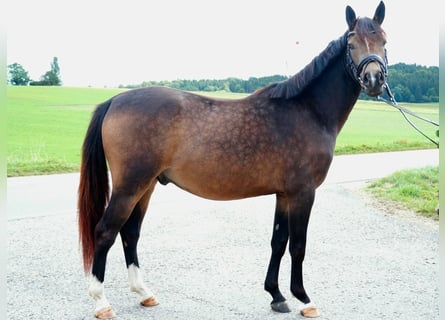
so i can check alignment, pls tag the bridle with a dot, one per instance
(355, 71)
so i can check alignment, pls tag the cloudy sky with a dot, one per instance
(107, 43)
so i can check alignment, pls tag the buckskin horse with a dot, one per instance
(279, 140)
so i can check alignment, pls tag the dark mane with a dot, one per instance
(296, 84)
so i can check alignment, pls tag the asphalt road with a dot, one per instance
(207, 259)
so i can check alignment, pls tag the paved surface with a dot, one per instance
(208, 259)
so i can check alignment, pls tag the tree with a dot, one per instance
(18, 76)
(52, 77)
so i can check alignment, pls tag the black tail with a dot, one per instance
(94, 189)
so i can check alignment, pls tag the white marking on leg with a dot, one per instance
(307, 305)
(136, 283)
(96, 291)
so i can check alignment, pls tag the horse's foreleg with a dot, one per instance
(130, 235)
(280, 237)
(300, 208)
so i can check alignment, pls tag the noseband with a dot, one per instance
(355, 71)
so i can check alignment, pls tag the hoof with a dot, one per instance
(310, 312)
(150, 302)
(106, 313)
(281, 307)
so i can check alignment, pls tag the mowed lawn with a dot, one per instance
(46, 127)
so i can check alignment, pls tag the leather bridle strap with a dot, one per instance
(355, 71)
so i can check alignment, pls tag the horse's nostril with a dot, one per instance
(376, 79)
(366, 78)
(381, 78)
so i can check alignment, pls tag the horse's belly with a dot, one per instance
(216, 186)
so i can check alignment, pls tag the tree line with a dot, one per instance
(408, 82)
(229, 85)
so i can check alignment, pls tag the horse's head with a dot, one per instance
(366, 53)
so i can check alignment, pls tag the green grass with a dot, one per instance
(416, 189)
(375, 127)
(46, 127)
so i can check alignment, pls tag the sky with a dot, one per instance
(106, 43)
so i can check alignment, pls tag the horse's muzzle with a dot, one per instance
(372, 72)
(372, 83)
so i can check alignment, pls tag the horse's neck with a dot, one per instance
(335, 94)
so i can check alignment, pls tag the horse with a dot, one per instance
(278, 140)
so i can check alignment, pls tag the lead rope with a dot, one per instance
(392, 102)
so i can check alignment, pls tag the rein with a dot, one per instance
(404, 111)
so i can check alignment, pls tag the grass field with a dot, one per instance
(46, 127)
(374, 126)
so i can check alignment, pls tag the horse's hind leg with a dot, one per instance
(116, 215)
(130, 235)
(280, 237)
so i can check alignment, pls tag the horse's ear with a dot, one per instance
(351, 18)
(379, 14)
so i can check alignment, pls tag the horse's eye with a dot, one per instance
(351, 34)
